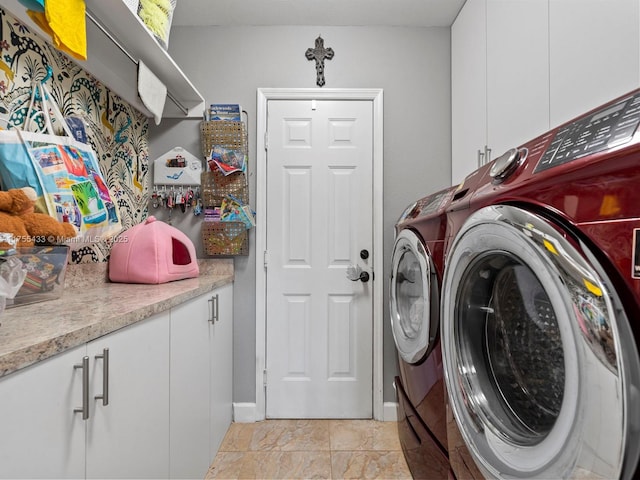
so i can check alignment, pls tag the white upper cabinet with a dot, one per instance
(117, 40)
(469, 88)
(533, 65)
(517, 72)
(500, 79)
(594, 54)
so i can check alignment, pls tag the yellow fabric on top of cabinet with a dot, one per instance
(65, 21)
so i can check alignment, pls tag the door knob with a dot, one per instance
(355, 273)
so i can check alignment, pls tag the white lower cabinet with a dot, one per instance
(129, 437)
(201, 380)
(168, 387)
(54, 426)
(40, 435)
(189, 417)
(221, 383)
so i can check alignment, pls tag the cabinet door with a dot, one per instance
(222, 366)
(468, 88)
(594, 54)
(129, 437)
(517, 72)
(41, 436)
(189, 415)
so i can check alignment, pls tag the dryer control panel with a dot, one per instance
(608, 127)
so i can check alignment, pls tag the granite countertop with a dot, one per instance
(91, 306)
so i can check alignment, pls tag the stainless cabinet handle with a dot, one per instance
(214, 311)
(487, 154)
(105, 377)
(85, 388)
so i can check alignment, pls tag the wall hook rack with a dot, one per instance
(177, 167)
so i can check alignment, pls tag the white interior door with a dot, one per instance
(319, 219)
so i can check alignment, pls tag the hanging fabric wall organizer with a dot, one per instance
(225, 191)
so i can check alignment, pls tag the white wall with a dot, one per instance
(412, 65)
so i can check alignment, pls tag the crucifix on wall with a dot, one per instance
(319, 54)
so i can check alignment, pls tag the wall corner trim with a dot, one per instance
(244, 412)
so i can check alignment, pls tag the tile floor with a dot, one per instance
(297, 449)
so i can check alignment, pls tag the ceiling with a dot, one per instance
(413, 13)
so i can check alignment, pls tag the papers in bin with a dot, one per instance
(227, 160)
(232, 210)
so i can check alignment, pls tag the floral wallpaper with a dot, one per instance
(116, 131)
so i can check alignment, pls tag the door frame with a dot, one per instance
(375, 95)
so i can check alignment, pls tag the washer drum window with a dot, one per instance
(532, 352)
(413, 295)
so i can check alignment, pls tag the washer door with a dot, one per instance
(413, 298)
(537, 373)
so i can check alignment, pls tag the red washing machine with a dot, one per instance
(417, 267)
(540, 305)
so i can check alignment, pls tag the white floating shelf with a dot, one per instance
(116, 40)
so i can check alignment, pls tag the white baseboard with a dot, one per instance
(390, 412)
(244, 412)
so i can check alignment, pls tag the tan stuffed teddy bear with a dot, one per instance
(28, 227)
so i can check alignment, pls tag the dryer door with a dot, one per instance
(539, 360)
(413, 298)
